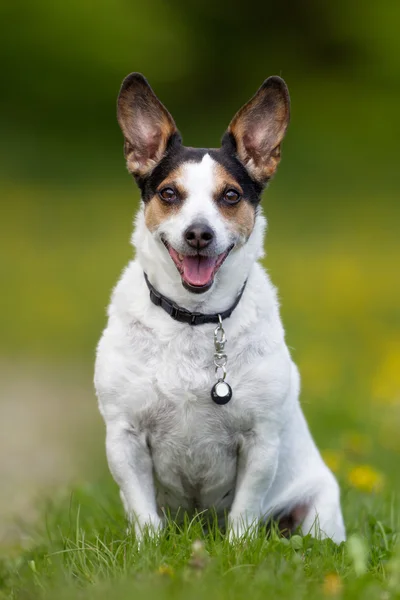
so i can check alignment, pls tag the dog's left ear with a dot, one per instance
(259, 127)
(146, 124)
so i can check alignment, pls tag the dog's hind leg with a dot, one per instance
(324, 515)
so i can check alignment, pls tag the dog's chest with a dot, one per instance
(193, 445)
(193, 441)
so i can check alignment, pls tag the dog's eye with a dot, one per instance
(231, 196)
(168, 195)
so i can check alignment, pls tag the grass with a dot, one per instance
(85, 552)
(336, 266)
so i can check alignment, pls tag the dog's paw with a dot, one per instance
(150, 528)
(242, 526)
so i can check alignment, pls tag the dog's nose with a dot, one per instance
(199, 235)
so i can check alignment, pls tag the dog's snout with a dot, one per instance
(199, 235)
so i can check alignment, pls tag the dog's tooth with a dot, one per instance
(180, 256)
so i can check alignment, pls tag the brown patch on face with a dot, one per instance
(157, 210)
(241, 216)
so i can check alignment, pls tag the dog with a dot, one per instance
(196, 385)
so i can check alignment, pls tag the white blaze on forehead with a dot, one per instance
(198, 179)
(199, 175)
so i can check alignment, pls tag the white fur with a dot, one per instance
(168, 444)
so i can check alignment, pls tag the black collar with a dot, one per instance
(184, 316)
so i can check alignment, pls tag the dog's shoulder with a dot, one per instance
(126, 341)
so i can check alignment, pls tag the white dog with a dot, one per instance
(195, 382)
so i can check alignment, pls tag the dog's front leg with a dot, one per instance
(130, 463)
(257, 465)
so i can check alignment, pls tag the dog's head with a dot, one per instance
(200, 204)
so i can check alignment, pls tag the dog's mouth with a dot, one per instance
(197, 270)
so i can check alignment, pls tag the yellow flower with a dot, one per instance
(166, 570)
(365, 478)
(332, 585)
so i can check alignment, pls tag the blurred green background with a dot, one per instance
(68, 204)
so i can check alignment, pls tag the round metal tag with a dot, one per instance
(221, 392)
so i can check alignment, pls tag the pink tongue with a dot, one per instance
(198, 270)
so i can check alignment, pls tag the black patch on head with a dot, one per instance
(226, 156)
(177, 154)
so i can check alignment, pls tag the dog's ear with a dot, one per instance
(259, 127)
(145, 123)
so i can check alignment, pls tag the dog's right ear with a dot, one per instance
(145, 123)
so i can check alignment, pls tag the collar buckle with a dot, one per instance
(155, 297)
(173, 311)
